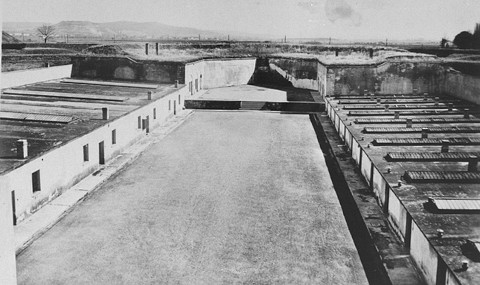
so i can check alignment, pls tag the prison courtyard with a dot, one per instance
(353, 166)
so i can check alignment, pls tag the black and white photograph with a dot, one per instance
(330, 142)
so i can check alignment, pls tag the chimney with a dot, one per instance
(146, 48)
(409, 122)
(472, 163)
(156, 48)
(445, 144)
(105, 113)
(450, 106)
(424, 133)
(22, 149)
(149, 95)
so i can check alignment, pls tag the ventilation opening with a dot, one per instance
(114, 136)
(36, 181)
(14, 208)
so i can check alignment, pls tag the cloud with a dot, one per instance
(313, 7)
(340, 12)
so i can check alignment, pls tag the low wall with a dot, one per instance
(63, 166)
(23, 77)
(303, 107)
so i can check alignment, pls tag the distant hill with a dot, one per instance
(121, 29)
(8, 39)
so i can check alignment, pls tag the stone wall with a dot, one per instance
(302, 73)
(124, 68)
(386, 78)
(463, 86)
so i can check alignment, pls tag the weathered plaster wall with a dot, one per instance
(386, 78)
(350, 79)
(463, 86)
(322, 79)
(122, 68)
(228, 72)
(23, 77)
(403, 77)
(302, 73)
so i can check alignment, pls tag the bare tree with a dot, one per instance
(46, 32)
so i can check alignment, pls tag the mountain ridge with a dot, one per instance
(123, 29)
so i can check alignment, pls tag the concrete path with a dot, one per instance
(228, 197)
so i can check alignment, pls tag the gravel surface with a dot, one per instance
(228, 197)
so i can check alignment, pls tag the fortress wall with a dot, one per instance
(302, 73)
(386, 78)
(123, 68)
(227, 72)
(463, 86)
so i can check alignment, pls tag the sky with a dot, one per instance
(341, 19)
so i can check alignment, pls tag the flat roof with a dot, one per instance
(427, 174)
(51, 113)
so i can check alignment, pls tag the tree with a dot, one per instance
(476, 36)
(464, 40)
(46, 32)
(444, 43)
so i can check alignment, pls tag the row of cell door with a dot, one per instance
(36, 185)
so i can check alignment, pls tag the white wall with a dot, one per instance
(22, 77)
(62, 167)
(8, 271)
(230, 72)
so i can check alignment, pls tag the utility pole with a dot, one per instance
(386, 42)
(285, 41)
(228, 38)
(198, 36)
(329, 40)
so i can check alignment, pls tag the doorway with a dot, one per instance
(101, 152)
(174, 107)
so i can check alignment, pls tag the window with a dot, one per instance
(139, 122)
(169, 105)
(114, 136)
(85, 152)
(179, 99)
(36, 181)
(154, 113)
